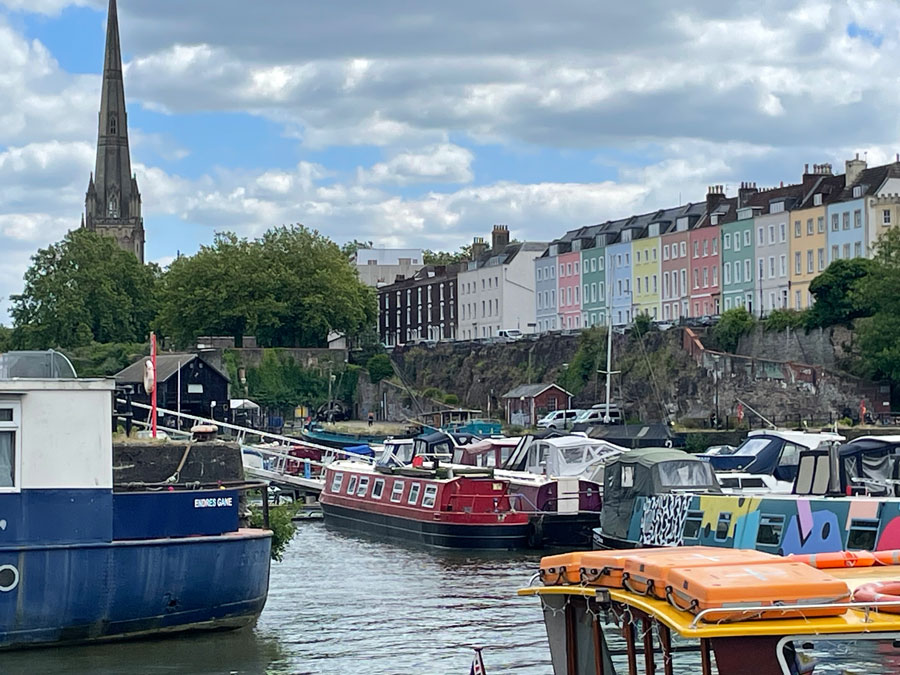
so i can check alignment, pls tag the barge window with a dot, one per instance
(692, 524)
(363, 486)
(429, 497)
(336, 482)
(9, 428)
(862, 534)
(351, 485)
(377, 488)
(722, 526)
(769, 532)
(414, 493)
(397, 491)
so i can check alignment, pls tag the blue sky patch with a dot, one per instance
(874, 38)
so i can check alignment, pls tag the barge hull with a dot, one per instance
(430, 533)
(96, 592)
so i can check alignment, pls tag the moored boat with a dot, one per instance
(742, 614)
(439, 507)
(82, 559)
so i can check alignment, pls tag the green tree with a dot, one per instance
(878, 342)
(836, 290)
(379, 367)
(782, 319)
(430, 257)
(289, 288)
(5, 339)
(589, 356)
(280, 383)
(642, 324)
(731, 326)
(350, 248)
(84, 289)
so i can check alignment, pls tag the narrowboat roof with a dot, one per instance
(851, 621)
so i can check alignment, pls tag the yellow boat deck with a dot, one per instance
(851, 621)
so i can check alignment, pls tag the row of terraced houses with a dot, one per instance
(758, 249)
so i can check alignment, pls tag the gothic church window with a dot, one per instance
(113, 126)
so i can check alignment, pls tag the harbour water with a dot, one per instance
(345, 604)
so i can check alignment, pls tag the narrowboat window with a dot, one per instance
(336, 482)
(378, 488)
(429, 497)
(722, 526)
(397, 491)
(351, 486)
(692, 524)
(363, 486)
(414, 493)
(770, 528)
(627, 476)
(862, 535)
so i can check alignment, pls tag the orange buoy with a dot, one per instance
(887, 557)
(835, 559)
(880, 591)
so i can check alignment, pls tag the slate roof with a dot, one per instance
(166, 367)
(870, 180)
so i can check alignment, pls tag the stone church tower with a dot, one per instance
(112, 205)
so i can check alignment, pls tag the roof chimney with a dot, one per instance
(746, 191)
(714, 195)
(499, 237)
(854, 167)
(478, 248)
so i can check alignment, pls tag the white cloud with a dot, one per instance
(444, 163)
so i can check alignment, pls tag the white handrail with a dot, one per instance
(756, 609)
(242, 431)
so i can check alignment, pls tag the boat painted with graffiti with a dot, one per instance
(843, 498)
(445, 507)
(84, 560)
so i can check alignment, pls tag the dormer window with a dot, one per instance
(817, 199)
(113, 124)
(714, 219)
(857, 191)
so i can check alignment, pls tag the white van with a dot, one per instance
(558, 419)
(510, 333)
(597, 415)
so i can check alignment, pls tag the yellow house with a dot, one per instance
(645, 270)
(808, 237)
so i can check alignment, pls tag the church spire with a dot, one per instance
(113, 202)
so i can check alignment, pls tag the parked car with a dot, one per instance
(510, 333)
(597, 415)
(558, 419)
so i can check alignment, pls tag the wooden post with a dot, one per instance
(665, 643)
(264, 493)
(705, 662)
(647, 627)
(598, 647)
(628, 634)
(571, 642)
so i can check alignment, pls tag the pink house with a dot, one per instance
(569, 280)
(675, 264)
(703, 251)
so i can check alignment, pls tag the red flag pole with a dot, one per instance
(153, 393)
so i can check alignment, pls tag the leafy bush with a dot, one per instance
(379, 367)
(733, 324)
(642, 324)
(434, 393)
(782, 319)
(280, 522)
(451, 399)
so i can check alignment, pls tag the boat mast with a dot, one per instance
(606, 419)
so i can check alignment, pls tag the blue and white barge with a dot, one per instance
(83, 561)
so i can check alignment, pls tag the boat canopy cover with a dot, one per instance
(763, 451)
(647, 472)
(576, 456)
(363, 450)
(49, 365)
(655, 435)
(870, 462)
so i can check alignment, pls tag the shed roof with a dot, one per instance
(531, 390)
(166, 366)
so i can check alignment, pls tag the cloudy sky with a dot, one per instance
(421, 123)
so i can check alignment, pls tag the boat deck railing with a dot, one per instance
(751, 610)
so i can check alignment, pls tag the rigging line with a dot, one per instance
(662, 408)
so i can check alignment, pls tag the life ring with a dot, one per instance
(835, 559)
(887, 557)
(880, 591)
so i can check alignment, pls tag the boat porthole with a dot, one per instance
(9, 578)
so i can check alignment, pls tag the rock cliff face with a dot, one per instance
(659, 377)
(828, 347)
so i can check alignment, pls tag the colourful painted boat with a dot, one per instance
(441, 507)
(766, 617)
(842, 499)
(82, 560)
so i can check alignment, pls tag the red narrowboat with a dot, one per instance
(446, 507)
